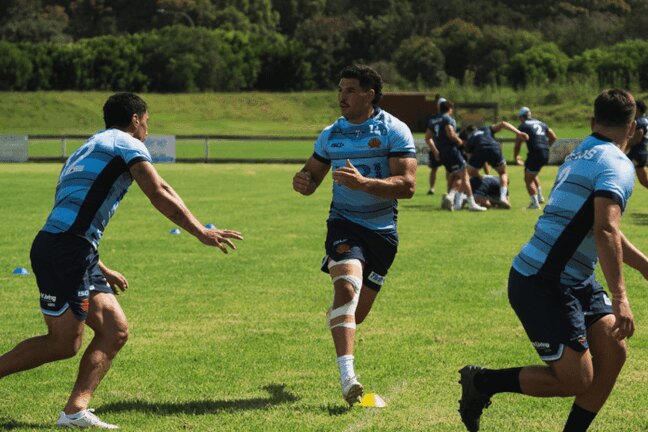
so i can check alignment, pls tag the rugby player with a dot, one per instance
(576, 329)
(540, 138)
(487, 191)
(638, 151)
(434, 158)
(76, 288)
(372, 155)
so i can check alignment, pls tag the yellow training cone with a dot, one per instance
(372, 400)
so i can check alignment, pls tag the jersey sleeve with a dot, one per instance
(401, 141)
(321, 153)
(132, 151)
(615, 181)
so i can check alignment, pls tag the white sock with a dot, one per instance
(503, 193)
(471, 201)
(539, 192)
(451, 194)
(345, 363)
(75, 416)
(535, 200)
(458, 199)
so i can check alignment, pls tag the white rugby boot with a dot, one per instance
(352, 390)
(83, 419)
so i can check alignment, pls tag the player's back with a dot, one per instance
(92, 182)
(563, 243)
(434, 124)
(537, 132)
(444, 141)
(642, 124)
(481, 138)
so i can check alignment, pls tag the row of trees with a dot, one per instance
(194, 45)
(180, 59)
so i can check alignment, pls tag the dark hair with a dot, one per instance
(368, 78)
(641, 106)
(445, 107)
(119, 109)
(467, 131)
(614, 108)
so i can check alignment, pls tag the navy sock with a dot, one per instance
(579, 419)
(492, 381)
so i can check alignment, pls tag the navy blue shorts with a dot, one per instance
(492, 155)
(639, 155)
(536, 159)
(432, 162)
(453, 160)
(555, 315)
(67, 270)
(347, 240)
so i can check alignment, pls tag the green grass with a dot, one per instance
(238, 342)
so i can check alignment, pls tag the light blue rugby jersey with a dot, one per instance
(563, 242)
(368, 146)
(92, 182)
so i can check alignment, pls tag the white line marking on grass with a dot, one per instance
(364, 421)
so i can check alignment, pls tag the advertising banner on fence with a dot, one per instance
(13, 148)
(421, 151)
(161, 147)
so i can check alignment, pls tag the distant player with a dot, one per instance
(487, 192)
(541, 137)
(572, 323)
(434, 157)
(372, 155)
(76, 288)
(483, 148)
(638, 151)
(455, 164)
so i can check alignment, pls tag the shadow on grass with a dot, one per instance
(278, 395)
(420, 207)
(336, 410)
(639, 218)
(7, 424)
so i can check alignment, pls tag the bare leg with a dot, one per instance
(367, 298)
(570, 376)
(62, 341)
(433, 174)
(343, 337)
(530, 181)
(642, 175)
(503, 175)
(109, 323)
(608, 356)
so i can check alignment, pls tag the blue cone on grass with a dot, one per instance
(175, 231)
(210, 226)
(20, 271)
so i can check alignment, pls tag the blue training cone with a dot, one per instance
(210, 226)
(175, 231)
(20, 271)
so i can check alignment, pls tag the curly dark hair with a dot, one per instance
(368, 78)
(120, 107)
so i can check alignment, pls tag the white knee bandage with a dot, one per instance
(348, 308)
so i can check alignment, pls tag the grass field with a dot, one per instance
(239, 343)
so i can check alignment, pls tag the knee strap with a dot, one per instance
(337, 316)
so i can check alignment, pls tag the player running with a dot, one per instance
(569, 318)
(540, 138)
(76, 288)
(434, 157)
(372, 155)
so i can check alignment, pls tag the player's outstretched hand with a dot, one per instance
(519, 161)
(348, 176)
(302, 183)
(220, 238)
(624, 326)
(116, 280)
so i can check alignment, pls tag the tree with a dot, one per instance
(419, 60)
(31, 21)
(15, 67)
(458, 41)
(540, 64)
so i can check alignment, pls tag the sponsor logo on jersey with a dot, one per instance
(84, 293)
(376, 278)
(337, 145)
(541, 345)
(374, 143)
(85, 305)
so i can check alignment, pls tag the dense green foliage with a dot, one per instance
(229, 45)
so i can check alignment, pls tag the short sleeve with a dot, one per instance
(132, 150)
(321, 153)
(615, 181)
(401, 141)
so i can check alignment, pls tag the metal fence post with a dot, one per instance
(206, 149)
(63, 147)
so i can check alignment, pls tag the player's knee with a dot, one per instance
(120, 337)
(342, 313)
(66, 348)
(577, 383)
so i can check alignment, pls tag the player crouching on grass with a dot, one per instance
(76, 288)
(573, 325)
(372, 154)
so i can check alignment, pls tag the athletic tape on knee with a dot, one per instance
(353, 261)
(348, 308)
